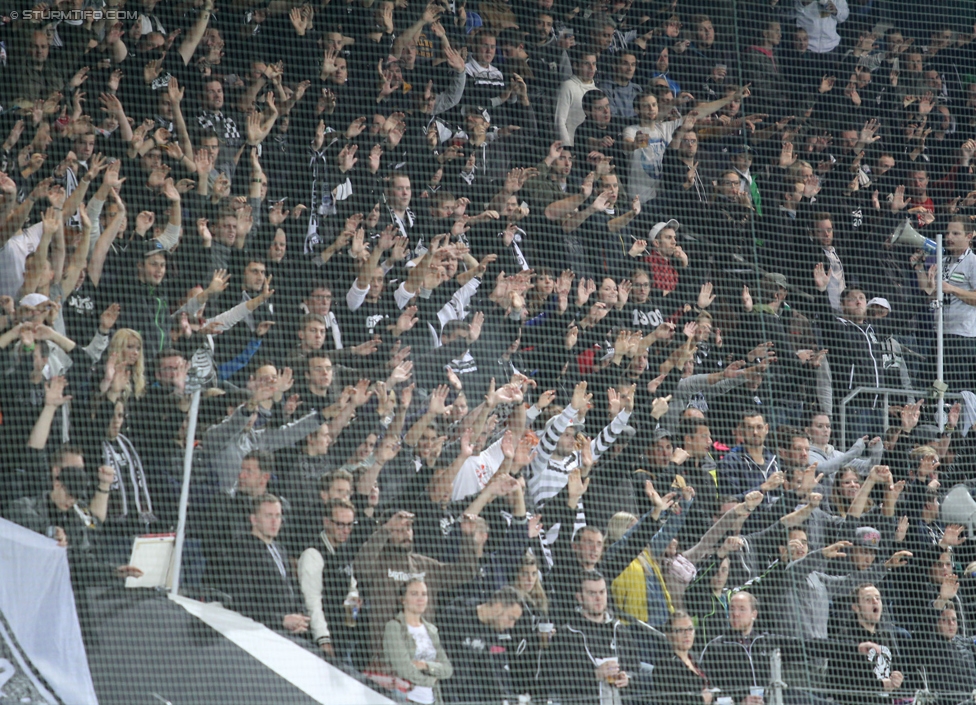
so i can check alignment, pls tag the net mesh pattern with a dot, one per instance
(608, 352)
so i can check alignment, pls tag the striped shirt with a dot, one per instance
(548, 475)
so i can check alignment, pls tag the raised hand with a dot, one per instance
(949, 587)
(406, 320)
(54, 392)
(437, 403)
(952, 536)
(899, 559)
(659, 406)
(347, 158)
(401, 373)
(572, 334)
(706, 295)
(576, 487)
(638, 248)
(836, 550)
(660, 503)
(820, 277)
(910, 414)
(772, 482)
(732, 544)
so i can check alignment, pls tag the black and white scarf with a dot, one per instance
(121, 456)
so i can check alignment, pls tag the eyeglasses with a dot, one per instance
(343, 524)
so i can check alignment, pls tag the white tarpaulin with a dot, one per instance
(42, 656)
(305, 670)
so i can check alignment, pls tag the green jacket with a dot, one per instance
(398, 651)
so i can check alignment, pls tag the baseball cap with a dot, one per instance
(658, 227)
(777, 279)
(153, 247)
(879, 301)
(867, 537)
(741, 149)
(659, 433)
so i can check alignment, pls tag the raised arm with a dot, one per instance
(367, 566)
(193, 37)
(729, 521)
(75, 201)
(79, 257)
(574, 220)
(878, 474)
(32, 274)
(706, 109)
(170, 236)
(97, 260)
(622, 221)
(175, 92)
(434, 409)
(360, 288)
(385, 451)
(54, 398)
(409, 36)
(18, 216)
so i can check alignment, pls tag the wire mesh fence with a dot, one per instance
(368, 351)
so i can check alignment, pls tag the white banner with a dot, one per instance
(42, 656)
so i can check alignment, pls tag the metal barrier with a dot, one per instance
(885, 392)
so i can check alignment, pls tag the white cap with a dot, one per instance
(658, 227)
(878, 301)
(34, 300)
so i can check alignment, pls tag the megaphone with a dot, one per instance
(905, 234)
(959, 507)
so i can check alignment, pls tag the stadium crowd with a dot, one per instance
(522, 330)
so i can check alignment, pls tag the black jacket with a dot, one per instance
(259, 590)
(580, 646)
(146, 310)
(481, 657)
(676, 684)
(858, 677)
(949, 667)
(336, 574)
(735, 663)
(40, 514)
(855, 356)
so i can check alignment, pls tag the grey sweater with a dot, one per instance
(226, 444)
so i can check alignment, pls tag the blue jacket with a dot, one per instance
(738, 473)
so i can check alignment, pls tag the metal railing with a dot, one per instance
(885, 393)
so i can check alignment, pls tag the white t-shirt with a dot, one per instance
(645, 164)
(13, 258)
(960, 318)
(476, 471)
(425, 651)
